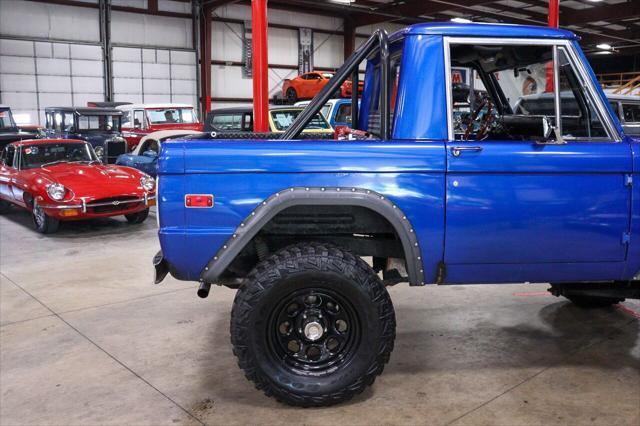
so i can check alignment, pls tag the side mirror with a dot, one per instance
(550, 134)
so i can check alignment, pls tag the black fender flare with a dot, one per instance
(279, 201)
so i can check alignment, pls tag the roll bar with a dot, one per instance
(378, 41)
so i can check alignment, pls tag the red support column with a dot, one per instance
(205, 60)
(260, 65)
(554, 13)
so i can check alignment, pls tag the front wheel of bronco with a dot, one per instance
(312, 325)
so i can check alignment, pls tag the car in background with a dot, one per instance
(98, 126)
(11, 132)
(63, 179)
(141, 120)
(336, 111)
(627, 108)
(306, 86)
(240, 119)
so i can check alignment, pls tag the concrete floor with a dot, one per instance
(86, 339)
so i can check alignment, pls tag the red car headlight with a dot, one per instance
(56, 191)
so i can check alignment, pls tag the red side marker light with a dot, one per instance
(198, 200)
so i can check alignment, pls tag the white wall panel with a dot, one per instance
(226, 42)
(328, 50)
(174, 6)
(54, 66)
(16, 48)
(17, 65)
(237, 11)
(37, 74)
(48, 21)
(54, 84)
(147, 30)
(154, 75)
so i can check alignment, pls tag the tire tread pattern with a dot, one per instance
(312, 257)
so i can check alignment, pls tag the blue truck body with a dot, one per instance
(513, 211)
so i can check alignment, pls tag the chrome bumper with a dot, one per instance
(84, 205)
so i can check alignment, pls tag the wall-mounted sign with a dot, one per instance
(305, 50)
(247, 52)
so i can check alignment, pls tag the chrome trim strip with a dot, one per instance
(60, 207)
(556, 94)
(84, 205)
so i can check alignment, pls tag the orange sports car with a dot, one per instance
(306, 86)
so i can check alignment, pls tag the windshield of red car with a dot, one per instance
(38, 155)
(6, 120)
(282, 119)
(102, 123)
(171, 115)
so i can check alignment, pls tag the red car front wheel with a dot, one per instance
(44, 223)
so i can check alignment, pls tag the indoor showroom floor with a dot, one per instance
(86, 339)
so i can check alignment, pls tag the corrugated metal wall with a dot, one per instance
(56, 60)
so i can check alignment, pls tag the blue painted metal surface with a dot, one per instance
(513, 212)
(145, 163)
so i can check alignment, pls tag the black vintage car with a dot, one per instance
(98, 126)
(9, 131)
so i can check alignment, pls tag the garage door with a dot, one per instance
(149, 75)
(35, 75)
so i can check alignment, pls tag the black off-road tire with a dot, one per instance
(42, 222)
(324, 269)
(5, 206)
(138, 217)
(292, 95)
(592, 302)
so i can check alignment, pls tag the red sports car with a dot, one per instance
(306, 86)
(62, 179)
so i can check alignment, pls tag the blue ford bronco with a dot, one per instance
(450, 175)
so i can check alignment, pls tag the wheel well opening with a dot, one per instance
(362, 231)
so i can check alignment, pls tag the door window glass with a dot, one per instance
(227, 122)
(343, 115)
(10, 156)
(68, 121)
(138, 119)
(507, 92)
(580, 118)
(126, 119)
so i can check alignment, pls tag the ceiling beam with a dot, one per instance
(602, 12)
(410, 10)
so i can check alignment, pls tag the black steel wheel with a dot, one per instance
(312, 325)
(137, 217)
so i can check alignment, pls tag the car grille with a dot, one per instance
(114, 148)
(113, 204)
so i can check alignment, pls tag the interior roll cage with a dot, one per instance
(379, 41)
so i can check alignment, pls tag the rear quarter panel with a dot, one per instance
(241, 174)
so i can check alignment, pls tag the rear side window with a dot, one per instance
(227, 122)
(631, 113)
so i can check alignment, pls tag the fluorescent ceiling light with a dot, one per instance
(604, 46)
(461, 20)
(595, 1)
(342, 1)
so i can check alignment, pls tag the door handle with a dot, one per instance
(457, 150)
